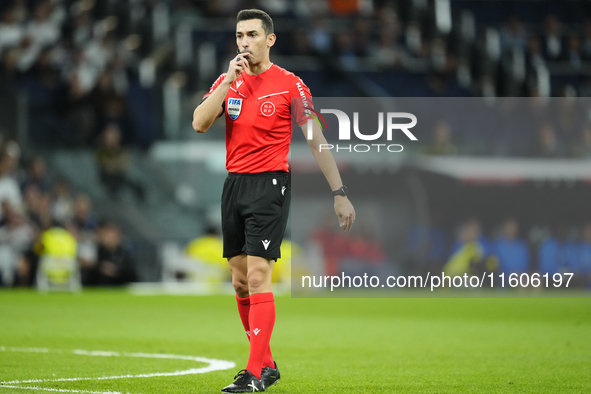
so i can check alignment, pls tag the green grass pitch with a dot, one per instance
(409, 345)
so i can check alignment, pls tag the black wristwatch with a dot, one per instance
(343, 191)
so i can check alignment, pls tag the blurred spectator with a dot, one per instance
(345, 49)
(582, 258)
(547, 145)
(427, 246)
(440, 60)
(362, 36)
(334, 244)
(84, 219)
(387, 53)
(16, 238)
(111, 105)
(45, 91)
(21, 10)
(42, 216)
(113, 161)
(44, 29)
(552, 254)
(300, 43)
(487, 87)
(32, 201)
(512, 251)
(365, 247)
(83, 227)
(37, 175)
(362, 253)
(552, 38)
(81, 113)
(63, 204)
(38, 207)
(586, 41)
(115, 264)
(208, 248)
(9, 189)
(290, 251)
(568, 118)
(513, 34)
(441, 144)
(8, 67)
(118, 69)
(582, 148)
(572, 53)
(99, 52)
(319, 35)
(86, 249)
(470, 252)
(11, 32)
(57, 267)
(83, 75)
(585, 87)
(415, 40)
(534, 56)
(81, 24)
(443, 84)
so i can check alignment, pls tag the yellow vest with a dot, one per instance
(58, 242)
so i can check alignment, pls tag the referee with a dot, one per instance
(256, 97)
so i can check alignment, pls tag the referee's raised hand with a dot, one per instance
(237, 65)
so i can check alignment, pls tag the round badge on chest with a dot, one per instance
(267, 108)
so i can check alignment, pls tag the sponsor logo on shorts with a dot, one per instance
(266, 243)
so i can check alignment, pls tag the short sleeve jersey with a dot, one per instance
(258, 111)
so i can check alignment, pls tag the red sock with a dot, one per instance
(268, 356)
(244, 311)
(261, 321)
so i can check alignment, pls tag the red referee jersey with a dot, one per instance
(258, 111)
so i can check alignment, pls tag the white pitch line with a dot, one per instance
(27, 349)
(192, 371)
(214, 365)
(63, 390)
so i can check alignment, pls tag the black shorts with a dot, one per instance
(255, 208)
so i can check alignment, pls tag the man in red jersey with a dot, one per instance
(256, 96)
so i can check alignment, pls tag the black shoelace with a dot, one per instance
(242, 373)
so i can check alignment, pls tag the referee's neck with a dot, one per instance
(259, 68)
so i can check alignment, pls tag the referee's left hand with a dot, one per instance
(345, 212)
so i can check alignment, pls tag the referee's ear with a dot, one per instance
(271, 40)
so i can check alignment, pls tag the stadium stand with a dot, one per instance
(71, 68)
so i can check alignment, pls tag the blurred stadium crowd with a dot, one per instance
(509, 127)
(44, 224)
(505, 248)
(83, 62)
(73, 67)
(92, 73)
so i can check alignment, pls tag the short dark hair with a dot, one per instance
(266, 20)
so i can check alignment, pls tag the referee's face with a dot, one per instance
(251, 38)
